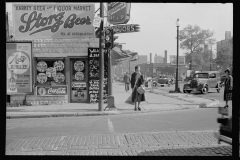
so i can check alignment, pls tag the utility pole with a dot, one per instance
(101, 60)
(210, 57)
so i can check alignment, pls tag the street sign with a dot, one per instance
(118, 12)
(97, 21)
(125, 28)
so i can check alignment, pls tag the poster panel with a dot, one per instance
(93, 57)
(53, 20)
(19, 67)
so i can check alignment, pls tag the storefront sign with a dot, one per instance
(173, 60)
(118, 12)
(19, 67)
(125, 28)
(93, 57)
(52, 91)
(53, 20)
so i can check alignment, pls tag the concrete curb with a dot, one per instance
(105, 113)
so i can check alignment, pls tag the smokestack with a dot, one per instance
(150, 57)
(227, 35)
(165, 58)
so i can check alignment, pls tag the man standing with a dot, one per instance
(127, 81)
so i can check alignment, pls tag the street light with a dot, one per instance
(176, 84)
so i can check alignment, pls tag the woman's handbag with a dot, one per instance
(141, 89)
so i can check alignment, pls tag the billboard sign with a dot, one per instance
(118, 12)
(53, 20)
(19, 67)
(125, 28)
(173, 60)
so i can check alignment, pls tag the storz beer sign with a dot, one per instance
(118, 12)
(53, 20)
(52, 91)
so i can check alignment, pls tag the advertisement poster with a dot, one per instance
(93, 57)
(118, 12)
(19, 67)
(53, 20)
(79, 91)
(52, 91)
(79, 84)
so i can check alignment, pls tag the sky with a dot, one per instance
(158, 30)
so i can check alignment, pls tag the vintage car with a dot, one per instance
(203, 81)
(163, 80)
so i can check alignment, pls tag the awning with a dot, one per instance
(119, 56)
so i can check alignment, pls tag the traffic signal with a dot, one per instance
(108, 38)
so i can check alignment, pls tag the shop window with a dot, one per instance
(50, 71)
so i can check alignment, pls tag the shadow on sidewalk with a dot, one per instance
(193, 151)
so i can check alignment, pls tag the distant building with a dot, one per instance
(223, 43)
(121, 69)
(158, 59)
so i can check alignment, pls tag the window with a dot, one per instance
(50, 71)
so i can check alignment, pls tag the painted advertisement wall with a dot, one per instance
(19, 67)
(53, 20)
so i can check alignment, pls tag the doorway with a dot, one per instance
(78, 80)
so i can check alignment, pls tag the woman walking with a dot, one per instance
(136, 81)
(228, 87)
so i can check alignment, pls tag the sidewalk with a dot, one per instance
(155, 102)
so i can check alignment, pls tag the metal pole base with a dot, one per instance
(110, 101)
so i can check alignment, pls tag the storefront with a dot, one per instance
(60, 55)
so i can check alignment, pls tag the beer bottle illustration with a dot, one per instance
(12, 82)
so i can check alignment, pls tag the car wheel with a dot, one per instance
(188, 91)
(204, 90)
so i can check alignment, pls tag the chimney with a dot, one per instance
(227, 35)
(150, 57)
(165, 58)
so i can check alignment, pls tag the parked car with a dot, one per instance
(163, 81)
(203, 81)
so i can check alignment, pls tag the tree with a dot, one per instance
(225, 55)
(193, 39)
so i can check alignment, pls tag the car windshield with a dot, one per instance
(201, 75)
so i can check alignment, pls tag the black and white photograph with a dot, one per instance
(119, 79)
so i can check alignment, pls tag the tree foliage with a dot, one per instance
(192, 41)
(225, 55)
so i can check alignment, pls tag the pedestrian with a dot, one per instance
(136, 81)
(228, 87)
(127, 80)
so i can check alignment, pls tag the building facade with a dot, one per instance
(64, 62)
(158, 59)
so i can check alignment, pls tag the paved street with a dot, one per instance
(156, 144)
(175, 133)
